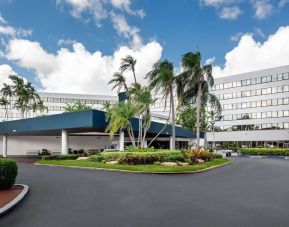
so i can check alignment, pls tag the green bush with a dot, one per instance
(194, 155)
(138, 158)
(8, 173)
(265, 151)
(217, 155)
(61, 157)
(137, 149)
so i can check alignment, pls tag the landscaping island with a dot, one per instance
(11, 194)
(141, 160)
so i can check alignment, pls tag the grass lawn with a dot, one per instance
(139, 168)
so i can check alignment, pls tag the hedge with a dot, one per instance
(61, 157)
(137, 158)
(8, 173)
(265, 151)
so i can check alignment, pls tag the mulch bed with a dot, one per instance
(10, 194)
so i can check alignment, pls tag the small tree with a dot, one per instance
(78, 106)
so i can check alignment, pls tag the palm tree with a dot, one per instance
(119, 118)
(193, 86)
(128, 63)
(4, 102)
(143, 100)
(162, 79)
(119, 82)
(7, 93)
(212, 121)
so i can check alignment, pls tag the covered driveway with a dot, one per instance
(76, 122)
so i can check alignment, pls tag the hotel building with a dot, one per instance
(255, 109)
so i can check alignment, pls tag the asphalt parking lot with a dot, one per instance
(248, 192)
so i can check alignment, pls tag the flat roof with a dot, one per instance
(77, 122)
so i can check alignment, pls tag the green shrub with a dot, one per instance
(61, 157)
(265, 151)
(137, 149)
(96, 158)
(217, 155)
(8, 173)
(138, 158)
(194, 155)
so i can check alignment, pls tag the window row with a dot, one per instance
(253, 104)
(259, 115)
(256, 92)
(247, 82)
(68, 100)
(268, 126)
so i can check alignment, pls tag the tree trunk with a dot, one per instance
(198, 115)
(173, 118)
(214, 143)
(162, 128)
(134, 75)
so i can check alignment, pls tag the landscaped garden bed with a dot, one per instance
(145, 160)
(10, 194)
(265, 151)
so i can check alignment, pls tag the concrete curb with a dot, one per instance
(15, 201)
(134, 171)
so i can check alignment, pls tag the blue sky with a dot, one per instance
(149, 29)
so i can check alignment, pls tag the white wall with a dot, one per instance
(19, 145)
(258, 135)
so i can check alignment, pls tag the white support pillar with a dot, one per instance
(171, 143)
(121, 141)
(64, 142)
(4, 150)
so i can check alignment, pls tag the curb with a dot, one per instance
(15, 201)
(135, 171)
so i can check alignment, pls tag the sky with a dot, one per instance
(75, 46)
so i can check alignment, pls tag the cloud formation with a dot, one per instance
(78, 70)
(232, 9)
(230, 13)
(112, 9)
(251, 55)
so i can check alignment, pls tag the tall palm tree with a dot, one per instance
(193, 86)
(118, 82)
(4, 102)
(162, 79)
(8, 94)
(128, 63)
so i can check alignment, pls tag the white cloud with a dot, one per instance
(78, 70)
(236, 37)
(2, 20)
(5, 71)
(124, 29)
(231, 9)
(112, 9)
(8, 30)
(282, 3)
(230, 13)
(217, 3)
(126, 6)
(263, 8)
(62, 42)
(250, 55)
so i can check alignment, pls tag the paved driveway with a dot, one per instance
(249, 192)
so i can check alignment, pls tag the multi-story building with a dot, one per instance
(255, 109)
(56, 103)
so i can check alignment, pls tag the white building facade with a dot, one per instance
(255, 109)
(56, 103)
